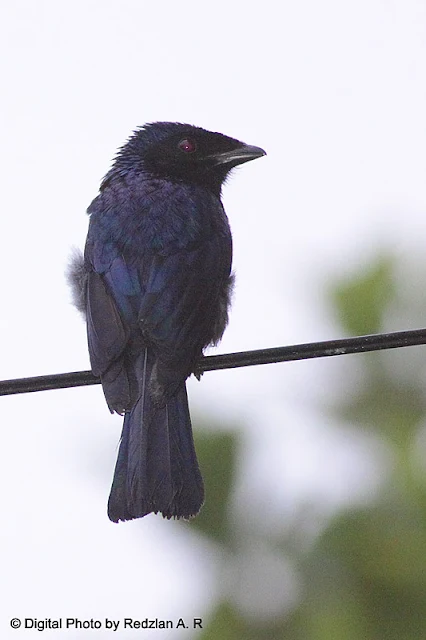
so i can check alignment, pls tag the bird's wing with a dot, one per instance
(166, 302)
(107, 330)
(177, 310)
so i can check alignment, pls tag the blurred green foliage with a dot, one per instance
(217, 453)
(362, 301)
(364, 575)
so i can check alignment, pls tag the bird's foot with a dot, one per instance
(198, 371)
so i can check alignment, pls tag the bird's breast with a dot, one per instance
(157, 216)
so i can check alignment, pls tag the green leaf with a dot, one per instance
(217, 456)
(362, 301)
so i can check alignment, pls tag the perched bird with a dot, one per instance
(155, 284)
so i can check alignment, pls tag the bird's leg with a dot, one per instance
(198, 369)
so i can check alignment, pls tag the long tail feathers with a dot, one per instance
(157, 468)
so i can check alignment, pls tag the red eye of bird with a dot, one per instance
(188, 146)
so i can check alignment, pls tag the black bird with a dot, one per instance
(155, 285)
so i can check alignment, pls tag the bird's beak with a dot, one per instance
(245, 153)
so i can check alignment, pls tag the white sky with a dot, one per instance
(336, 94)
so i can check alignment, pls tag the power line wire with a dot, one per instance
(359, 344)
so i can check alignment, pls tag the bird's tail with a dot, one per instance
(157, 468)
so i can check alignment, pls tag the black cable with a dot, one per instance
(241, 359)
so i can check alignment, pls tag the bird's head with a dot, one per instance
(185, 153)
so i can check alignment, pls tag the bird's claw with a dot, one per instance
(198, 371)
